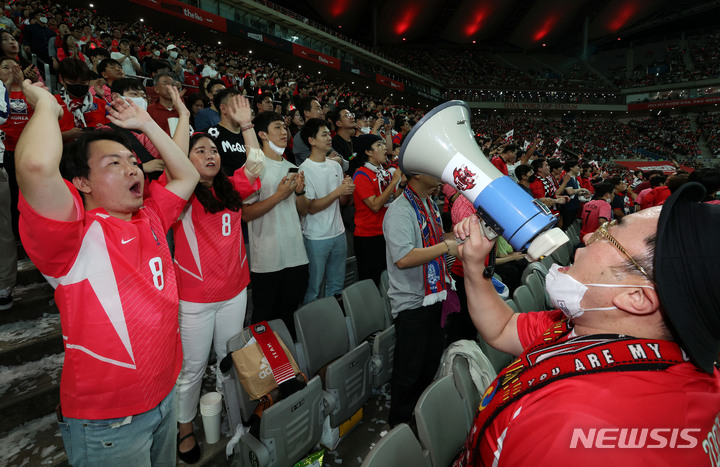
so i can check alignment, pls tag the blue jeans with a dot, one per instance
(147, 439)
(327, 260)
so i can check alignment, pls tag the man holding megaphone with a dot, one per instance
(418, 282)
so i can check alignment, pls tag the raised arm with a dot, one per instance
(37, 158)
(495, 321)
(183, 175)
(182, 132)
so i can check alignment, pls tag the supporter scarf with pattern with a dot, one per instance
(550, 185)
(550, 358)
(383, 176)
(77, 107)
(434, 271)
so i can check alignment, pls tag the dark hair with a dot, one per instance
(657, 180)
(222, 195)
(98, 52)
(214, 82)
(335, 113)
(569, 164)
(709, 178)
(677, 181)
(121, 85)
(311, 129)
(306, 104)
(262, 121)
(555, 164)
(222, 96)
(615, 181)
(522, 170)
(74, 69)
(74, 162)
(537, 164)
(65, 42)
(510, 148)
(603, 188)
(262, 97)
(399, 122)
(102, 66)
(292, 127)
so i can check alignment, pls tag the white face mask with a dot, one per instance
(141, 102)
(181, 62)
(365, 130)
(156, 53)
(566, 292)
(276, 149)
(173, 54)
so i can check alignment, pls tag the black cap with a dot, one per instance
(687, 269)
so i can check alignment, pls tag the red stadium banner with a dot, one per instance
(677, 103)
(315, 56)
(646, 166)
(187, 12)
(391, 83)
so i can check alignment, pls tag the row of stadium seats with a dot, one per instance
(343, 355)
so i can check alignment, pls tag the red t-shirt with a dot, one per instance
(656, 197)
(207, 269)
(592, 212)
(500, 164)
(20, 113)
(538, 428)
(367, 222)
(192, 83)
(94, 117)
(161, 115)
(117, 295)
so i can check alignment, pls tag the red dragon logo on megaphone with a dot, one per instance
(464, 178)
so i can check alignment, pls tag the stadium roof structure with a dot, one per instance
(511, 24)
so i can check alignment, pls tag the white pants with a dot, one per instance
(202, 324)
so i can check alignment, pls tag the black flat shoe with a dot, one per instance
(191, 456)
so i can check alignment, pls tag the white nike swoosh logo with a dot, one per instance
(123, 241)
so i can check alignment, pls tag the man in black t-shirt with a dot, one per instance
(228, 134)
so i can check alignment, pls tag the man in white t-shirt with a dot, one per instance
(278, 262)
(323, 228)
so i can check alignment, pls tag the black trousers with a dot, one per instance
(276, 295)
(418, 348)
(459, 325)
(370, 255)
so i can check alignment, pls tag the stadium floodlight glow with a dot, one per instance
(92, 6)
(142, 20)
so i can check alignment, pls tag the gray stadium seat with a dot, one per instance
(351, 270)
(323, 337)
(562, 254)
(469, 393)
(398, 447)
(289, 428)
(524, 299)
(365, 310)
(509, 302)
(441, 421)
(537, 289)
(498, 359)
(531, 268)
(384, 286)
(547, 261)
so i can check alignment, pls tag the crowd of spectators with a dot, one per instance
(593, 139)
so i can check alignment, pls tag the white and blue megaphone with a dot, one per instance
(442, 145)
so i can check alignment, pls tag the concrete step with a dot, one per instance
(34, 443)
(29, 391)
(27, 273)
(30, 302)
(29, 340)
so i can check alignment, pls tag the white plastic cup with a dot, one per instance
(211, 411)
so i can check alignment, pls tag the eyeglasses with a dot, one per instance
(602, 231)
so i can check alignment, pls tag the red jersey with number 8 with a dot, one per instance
(116, 291)
(209, 249)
